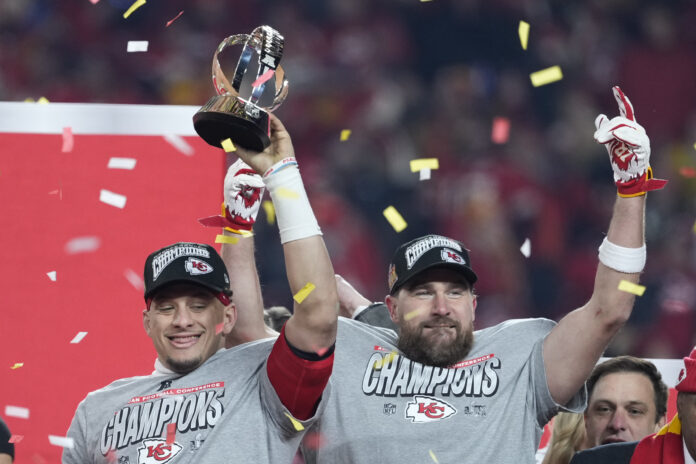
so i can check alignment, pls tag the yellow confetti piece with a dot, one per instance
(523, 31)
(287, 193)
(394, 218)
(31, 100)
(43, 101)
(270, 211)
(228, 146)
(133, 7)
(226, 239)
(345, 133)
(17, 365)
(630, 287)
(304, 292)
(433, 457)
(424, 163)
(411, 314)
(694, 146)
(295, 423)
(694, 227)
(546, 76)
(387, 359)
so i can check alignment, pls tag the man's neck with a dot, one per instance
(688, 459)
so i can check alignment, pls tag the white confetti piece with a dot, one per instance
(17, 411)
(63, 442)
(137, 46)
(51, 275)
(425, 174)
(78, 338)
(179, 143)
(121, 163)
(111, 198)
(526, 248)
(134, 279)
(85, 244)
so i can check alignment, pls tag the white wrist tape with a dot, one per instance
(294, 214)
(622, 259)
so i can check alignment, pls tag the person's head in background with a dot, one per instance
(627, 401)
(567, 437)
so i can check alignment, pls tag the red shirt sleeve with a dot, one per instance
(298, 382)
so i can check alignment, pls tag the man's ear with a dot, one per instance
(661, 423)
(391, 303)
(229, 318)
(146, 320)
(474, 303)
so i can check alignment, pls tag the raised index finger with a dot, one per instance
(625, 106)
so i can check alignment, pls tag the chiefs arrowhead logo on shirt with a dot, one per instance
(428, 409)
(157, 451)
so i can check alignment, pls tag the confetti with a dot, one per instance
(433, 457)
(132, 8)
(630, 287)
(424, 163)
(17, 365)
(304, 292)
(501, 130)
(63, 442)
(179, 143)
(111, 456)
(228, 146)
(67, 140)
(687, 171)
(94, 2)
(137, 46)
(111, 198)
(43, 101)
(121, 163)
(134, 279)
(15, 438)
(295, 423)
(269, 210)
(220, 238)
(52, 275)
(411, 314)
(345, 133)
(78, 338)
(263, 78)
(523, 31)
(694, 146)
(85, 244)
(171, 433)
(219, 328)
(546, 76)
(694, 227)
(526, 248)
(17, 411)
(287, 193)
(31, 100)
(387, 359)
(175, 18)
(394, 218)
(425, 174)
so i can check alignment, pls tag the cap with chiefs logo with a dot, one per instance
(414, 257)
(195, 263)
(687, 376)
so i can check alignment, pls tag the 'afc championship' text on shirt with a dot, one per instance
(144, 417)
(390, 374)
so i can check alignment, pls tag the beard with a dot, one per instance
(421, 348)
(185, 366)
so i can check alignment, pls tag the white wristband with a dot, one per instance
(294, 213)
(622, 259)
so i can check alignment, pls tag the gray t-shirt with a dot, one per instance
(226, 411)
(384, 408)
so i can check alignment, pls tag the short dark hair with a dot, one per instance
(639, 366)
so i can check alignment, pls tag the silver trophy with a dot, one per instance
(241, 119)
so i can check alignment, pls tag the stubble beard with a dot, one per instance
(185, 366)
(417, 347)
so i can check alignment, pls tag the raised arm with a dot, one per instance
(576, 343)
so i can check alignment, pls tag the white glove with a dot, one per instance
(629, 149)
(243, 192)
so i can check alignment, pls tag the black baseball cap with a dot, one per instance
(196, 263)
(414, 257)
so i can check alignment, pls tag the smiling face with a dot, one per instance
(621, 408)
(435, 315)
(182, 321)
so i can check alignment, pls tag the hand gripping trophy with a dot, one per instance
(227, 115)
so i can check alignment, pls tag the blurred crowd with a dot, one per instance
(414, 79)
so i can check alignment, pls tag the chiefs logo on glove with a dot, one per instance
(629, 149)
(243, 192)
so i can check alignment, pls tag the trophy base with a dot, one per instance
(225, 117)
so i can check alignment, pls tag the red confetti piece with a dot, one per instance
(313, 440)
(687, 171)
(219, 327)
(172, 20)
(501, 130)
(171, 433)
(67, 140)
(263, 78)
(15, 439)
(111, 456)
(94, 2)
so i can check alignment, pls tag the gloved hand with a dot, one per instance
(629, 149)
(243, 192)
